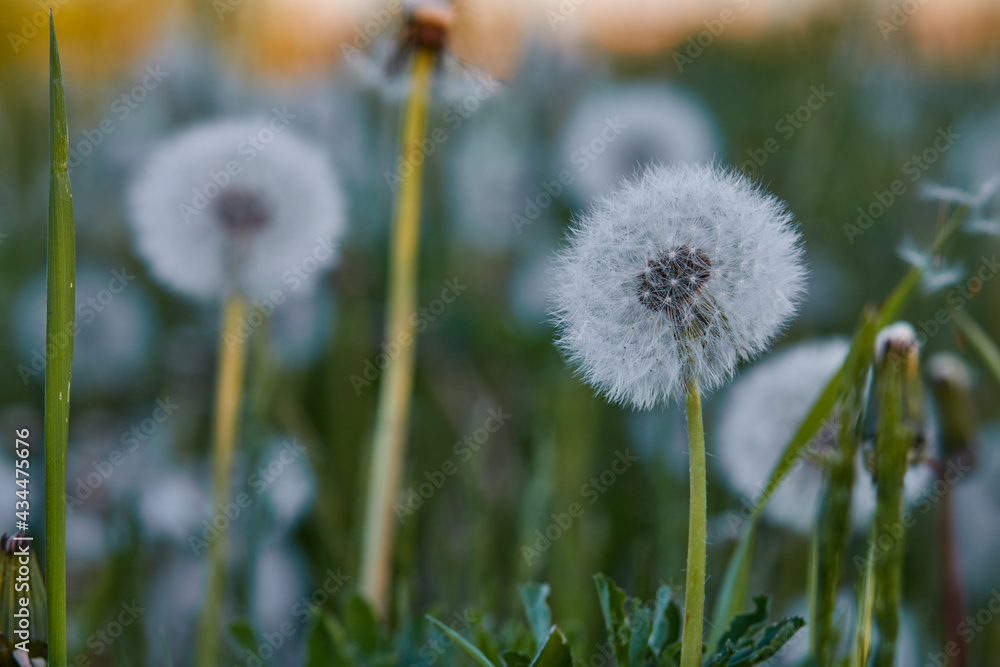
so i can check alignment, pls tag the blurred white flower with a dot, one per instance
(172, 504)
(659, 125)
(288, 483)
(237, 205)
(492, 180)
(976, 508)
(115, 329)
(761, 413)
(680, 274)
(279, 583)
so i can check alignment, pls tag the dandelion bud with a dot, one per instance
(951, 384)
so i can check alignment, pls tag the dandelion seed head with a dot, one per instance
(760, 414)
(948, 367)
(652, 123)
(679, 274)
(218, 208)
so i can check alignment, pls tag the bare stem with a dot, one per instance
(694, 590)
(228, 396)
(392, 419)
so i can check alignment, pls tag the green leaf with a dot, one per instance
(534, 597)
(613, 607)
(245, 638)
(361, 624)
(640, 626)
(59, 325)
(666, 621)
(744, 622)
(775, 637)
(323, 645)
(555, 653)
(515, 659)
(980, 341)
(473, 652)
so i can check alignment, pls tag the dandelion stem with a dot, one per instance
(694, 588)
(833, 528)
(60, 304)
(891, 445)
(228, 396)
(392, 419)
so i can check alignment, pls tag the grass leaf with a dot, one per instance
(473, 652)
(59, 327)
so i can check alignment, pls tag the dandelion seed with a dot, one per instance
(219, 209)
(677, 276)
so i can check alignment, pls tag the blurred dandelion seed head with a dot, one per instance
(680, 274)
(661, 125)
(236, 204)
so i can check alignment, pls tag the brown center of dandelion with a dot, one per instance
(242, 212)
(673, 279)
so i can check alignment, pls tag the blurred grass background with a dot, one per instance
(892, 91)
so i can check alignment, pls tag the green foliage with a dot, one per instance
(640, 634)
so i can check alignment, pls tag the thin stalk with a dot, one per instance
(393, 413)
(832, 531)
(733, 593)
(59, 326)
(891, 445)
(228, 397)
(954, 598)
(694, 587)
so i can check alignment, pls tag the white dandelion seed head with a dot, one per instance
(763, 410)
(948, 367)
(629, 127)
(900, 336)
(679, 274)
(233, 205)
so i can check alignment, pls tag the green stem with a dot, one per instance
(60, 304)
(891, 445)
(694, 588)
(831, 534)
(228, 396)
(392, 419)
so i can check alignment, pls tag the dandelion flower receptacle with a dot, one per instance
(667, 284)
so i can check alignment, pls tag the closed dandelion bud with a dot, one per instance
(897, 351)
(951, 384)
(673, 278)
(23, 625)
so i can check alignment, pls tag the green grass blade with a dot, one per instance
(980, 341)
(467, 646)
(733, 594)
(61, 272)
